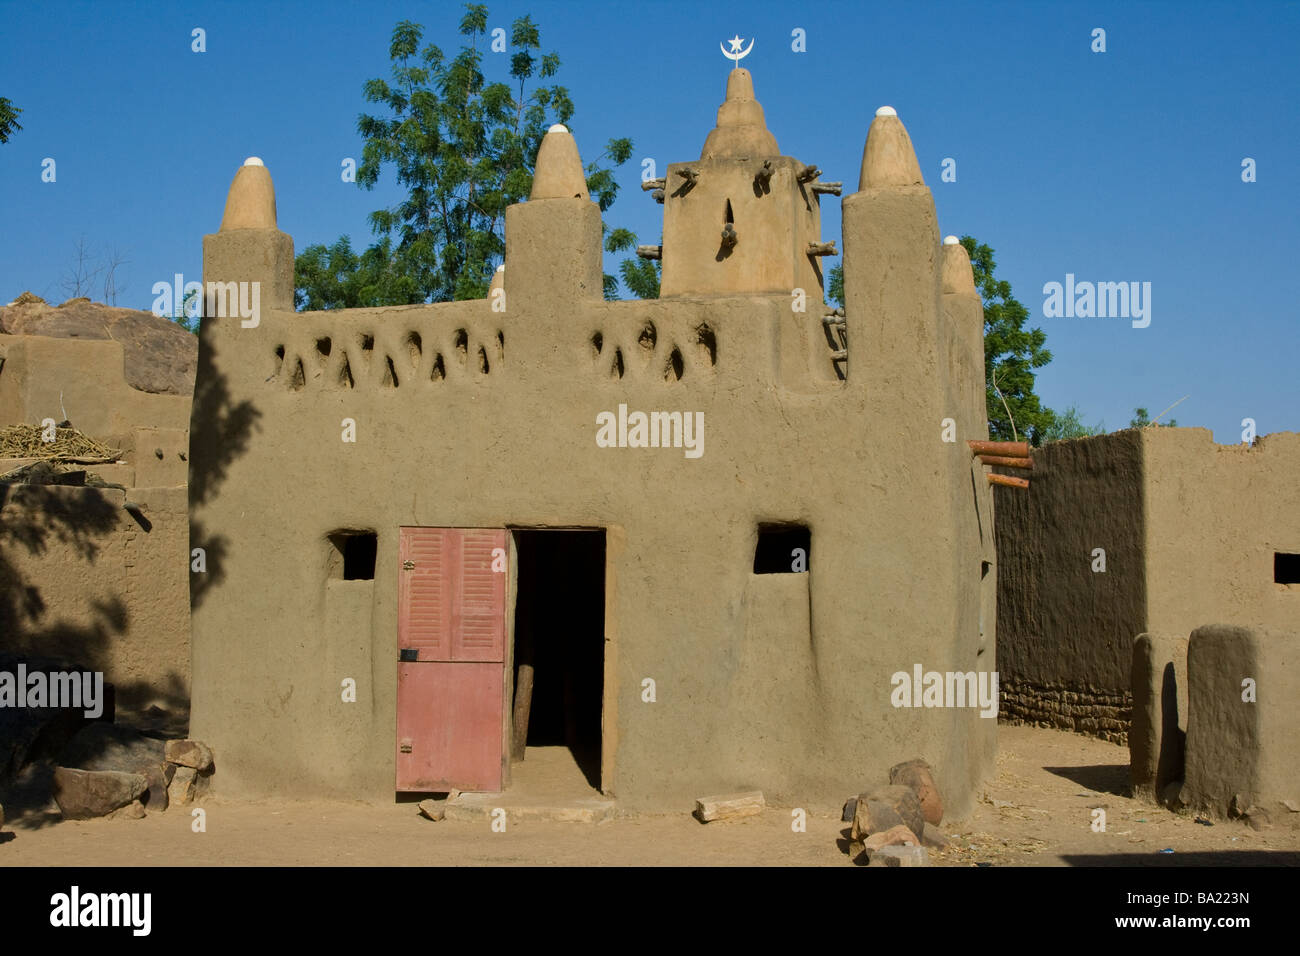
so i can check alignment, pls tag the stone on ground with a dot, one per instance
(189, 753)
(132, 811)
(83, 794)
(730, 806)
(894, 836)
(918, 775)
(181, 790)
(900, 856)
(934, 839)
(887, 807)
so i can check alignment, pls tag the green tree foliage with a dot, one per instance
(335, 277)
(835, 284)
(641, 276)
(1142, 420)
(1068, 424)
(1011, 354)
(463, 148)
(8, 119)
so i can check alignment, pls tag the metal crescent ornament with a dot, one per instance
(736, 55)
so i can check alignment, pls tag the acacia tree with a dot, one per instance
(463, 148)
(641, 276)
(1011, 354)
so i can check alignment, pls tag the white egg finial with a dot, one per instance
(951, 241)
(558, 128)
(886, 111)
(253, 161)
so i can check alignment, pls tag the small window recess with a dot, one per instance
(352, 555)
(782, 549)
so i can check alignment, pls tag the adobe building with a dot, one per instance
(1152, 531)
(94, 569)
(689, 538)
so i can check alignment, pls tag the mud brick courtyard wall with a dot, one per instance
(1193, 533)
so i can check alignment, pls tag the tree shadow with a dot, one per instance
(220, 432)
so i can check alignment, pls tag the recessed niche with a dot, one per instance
(352, 555)
(782, 549)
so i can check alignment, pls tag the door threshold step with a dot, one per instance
(473, 807)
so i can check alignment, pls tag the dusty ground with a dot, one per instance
(1046, 785)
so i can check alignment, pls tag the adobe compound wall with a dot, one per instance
(83, 580)
(1189, 530)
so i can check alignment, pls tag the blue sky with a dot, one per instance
(1115, 166)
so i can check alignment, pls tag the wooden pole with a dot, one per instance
(523, 692)
(1008, 481)
(1014, 449)
(1007, 462)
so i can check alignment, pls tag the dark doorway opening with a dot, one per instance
(559, 652)
(1286, 568)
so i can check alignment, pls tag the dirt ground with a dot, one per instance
(1036, 812)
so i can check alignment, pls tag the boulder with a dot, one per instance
(180, 792)
(918, 775)
(872, 816)
(83, 794)
(158, 355)
(850, 805)
(434, 810)
(102, 746)
(189, 753)
(887, 807)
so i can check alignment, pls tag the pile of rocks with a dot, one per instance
(112, 771)
(893, 825)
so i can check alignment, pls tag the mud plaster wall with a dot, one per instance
(1189, 528)
(44, 377)
(1215, 516)
(82, 581)
(1066, 632)
(467, 417)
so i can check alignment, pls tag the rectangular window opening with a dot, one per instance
(352, 555)
(782, 549)
(1286, 568)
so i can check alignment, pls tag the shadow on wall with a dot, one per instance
(32, 519)
(220, 431)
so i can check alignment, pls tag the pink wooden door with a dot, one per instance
(451, 669)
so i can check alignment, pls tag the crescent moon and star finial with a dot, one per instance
(736, 54)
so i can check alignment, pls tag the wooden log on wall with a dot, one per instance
(1009, 481)
(1007, 462)
(1012, 449)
